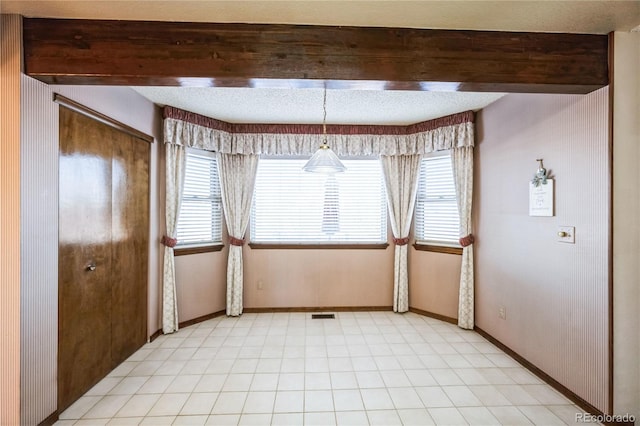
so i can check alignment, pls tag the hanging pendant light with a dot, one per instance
(324, 160)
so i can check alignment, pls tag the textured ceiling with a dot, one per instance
(344, 107)
(246, 105)
(576, 16)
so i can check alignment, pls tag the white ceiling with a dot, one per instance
(343, 107)
(250, 105)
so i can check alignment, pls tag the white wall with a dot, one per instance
(626, 223)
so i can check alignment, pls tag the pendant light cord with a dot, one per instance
(324, 116)
(324, 160)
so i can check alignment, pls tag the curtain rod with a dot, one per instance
(71, 104)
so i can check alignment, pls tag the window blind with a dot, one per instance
(200, 220)
(293, 206)
(436, 217)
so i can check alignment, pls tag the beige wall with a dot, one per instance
(626, 222)
(555, 294)
(201, 284)
(10, 54)
(434, 281)
(298, 278)
(317, 278)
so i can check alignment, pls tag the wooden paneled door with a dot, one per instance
(130, 247)
(103, 251)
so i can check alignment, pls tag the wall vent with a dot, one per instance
(323, 316)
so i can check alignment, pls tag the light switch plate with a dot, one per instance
(567, 234)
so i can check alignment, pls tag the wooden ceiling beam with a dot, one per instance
(59, 51)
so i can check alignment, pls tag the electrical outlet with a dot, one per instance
(260, 285)
(502, 313)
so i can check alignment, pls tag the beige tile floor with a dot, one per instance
(362, 368)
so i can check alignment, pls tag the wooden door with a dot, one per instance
(84, 259)
(130, 208)
(103, 251)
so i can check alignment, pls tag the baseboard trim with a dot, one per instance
(50, 420)
(155, 335)
(541, 374)
(528, 365)
(318, 309)
(187, 323)
(202, 318)
(434, 316)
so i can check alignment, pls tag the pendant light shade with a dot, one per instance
(324, 160)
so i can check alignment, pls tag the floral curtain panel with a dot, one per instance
(175, 159)
(462, 164)
(401, 181)
(237, 181)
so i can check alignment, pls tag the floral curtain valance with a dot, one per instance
(196, 131)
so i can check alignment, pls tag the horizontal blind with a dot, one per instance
(437, 219)
(293, 206)
(200, 219)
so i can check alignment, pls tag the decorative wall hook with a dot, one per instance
(541, 175)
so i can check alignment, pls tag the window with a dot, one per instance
(437, 221)
(293, 206)
(200, 220)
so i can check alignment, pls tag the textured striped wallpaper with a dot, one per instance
(10, 219)
(555, 294)
(39, 251)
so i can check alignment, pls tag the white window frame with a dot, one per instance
(422, 200)
(215, 199)
(328, 243)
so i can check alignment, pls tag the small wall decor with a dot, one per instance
(541, 192)
(540, 178)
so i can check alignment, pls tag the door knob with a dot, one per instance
(91, 267)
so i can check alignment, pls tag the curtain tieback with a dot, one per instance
(467, 241)
(401, 241)
(168, 241)
(236, 241)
